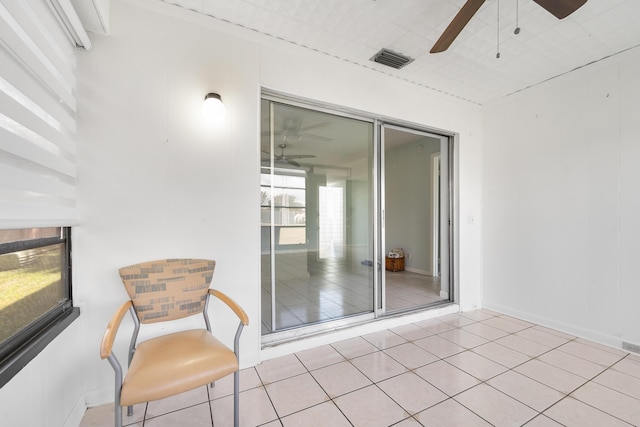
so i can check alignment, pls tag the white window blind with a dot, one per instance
(37, 117)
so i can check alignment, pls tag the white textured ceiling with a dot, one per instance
(354, 30)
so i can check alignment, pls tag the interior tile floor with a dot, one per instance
(478, 368)
(308, 291)
(406, 290)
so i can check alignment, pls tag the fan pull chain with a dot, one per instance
(517, 30)
(498, 31)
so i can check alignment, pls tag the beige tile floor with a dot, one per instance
(471, 369)
(337, 289)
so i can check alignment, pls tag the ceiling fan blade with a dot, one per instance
(457, 24)
(316, 137)
(293, 162)
(561, 8)
(300, 156)
(317, 125)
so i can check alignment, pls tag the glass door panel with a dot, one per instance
(414, 226)
(316, 216)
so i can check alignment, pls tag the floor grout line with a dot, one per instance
(381, 349)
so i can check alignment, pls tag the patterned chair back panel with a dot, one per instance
(168, 289)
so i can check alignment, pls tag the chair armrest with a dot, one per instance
(232, 305)
(112, 328)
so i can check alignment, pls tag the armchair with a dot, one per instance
(163, 366)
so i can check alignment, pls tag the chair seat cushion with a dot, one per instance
(175, 363)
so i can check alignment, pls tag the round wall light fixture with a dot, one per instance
(213, 109)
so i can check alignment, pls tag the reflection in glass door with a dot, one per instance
(316, 217)
(355, 219)
(331, 222)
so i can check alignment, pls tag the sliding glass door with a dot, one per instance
(414, 224)
(355, 218)
(317, 216)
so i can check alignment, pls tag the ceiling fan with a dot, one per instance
(288, 158)
(559, 8)
(291, 130)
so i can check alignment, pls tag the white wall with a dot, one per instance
(49, 390)
(561, 201)
(154, 182)
(408, 199)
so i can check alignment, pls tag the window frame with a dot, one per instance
(272, 206)
(18, 350)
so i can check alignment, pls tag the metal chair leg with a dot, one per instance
(236, 399)
(117, 390)
(129, 411)
(118, 415)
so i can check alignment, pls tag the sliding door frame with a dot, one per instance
(445, 218)
(378, 203)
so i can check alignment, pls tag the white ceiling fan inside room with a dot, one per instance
(291, 159)
(291, 130)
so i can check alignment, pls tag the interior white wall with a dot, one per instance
(48, 391)
(408, 212)
(560, 202)
(154, 182)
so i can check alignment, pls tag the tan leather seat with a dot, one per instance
(163, 366)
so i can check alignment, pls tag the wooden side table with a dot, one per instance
(394, 264)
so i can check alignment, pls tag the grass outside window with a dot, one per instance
(35, 293)
(29, 289)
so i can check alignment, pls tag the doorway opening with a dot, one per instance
(411, 228)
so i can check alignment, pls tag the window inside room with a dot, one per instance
(285, 191)
(38, 184)
(35, 284)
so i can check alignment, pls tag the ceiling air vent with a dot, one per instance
(391, 59)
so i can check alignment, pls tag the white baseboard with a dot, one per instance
(75, 417)
(99, 397)
(589, 334)
(417, 271)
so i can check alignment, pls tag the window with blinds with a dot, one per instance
(37, 179)
(37, 118)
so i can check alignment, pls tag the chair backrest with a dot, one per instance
(168, 289)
